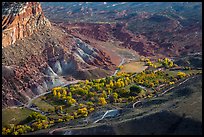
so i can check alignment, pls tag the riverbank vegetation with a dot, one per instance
(65, 104)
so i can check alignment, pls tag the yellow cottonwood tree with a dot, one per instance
(59, 95)
(54, 93)
(102, 101)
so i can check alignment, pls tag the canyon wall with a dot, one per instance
(37, 56)
(21, 19)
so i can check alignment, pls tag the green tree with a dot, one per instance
(69, 117)
(87, 82)
(60, 120)
(70, 101)
(15, 133)
(104, 94)
(60, 108)
(89, 103)
(70, 94)
(113, 97)
(135, 90)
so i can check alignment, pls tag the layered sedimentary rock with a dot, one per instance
(37, 56)
(21, 19)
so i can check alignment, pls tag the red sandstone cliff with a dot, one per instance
(21, 19)
(36, 55)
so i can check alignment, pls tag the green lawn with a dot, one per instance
(14, 115)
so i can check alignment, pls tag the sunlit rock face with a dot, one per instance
(37, 56)
(21, 19)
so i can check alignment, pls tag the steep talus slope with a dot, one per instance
(37, 58)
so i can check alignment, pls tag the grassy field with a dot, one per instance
(42, 105)
(133, 67)
(14, 115)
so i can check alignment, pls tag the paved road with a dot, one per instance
(121, 63)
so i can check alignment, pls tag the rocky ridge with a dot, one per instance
(21, 19)
(38, 55)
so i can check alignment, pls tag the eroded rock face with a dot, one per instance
(21, 82)
(118, 32)
(21, 19)
(37, 56)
